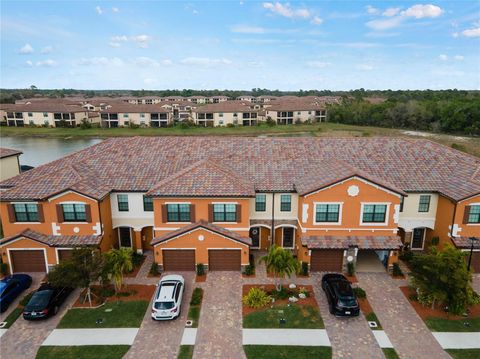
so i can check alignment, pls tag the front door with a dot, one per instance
(255, 236)
(125, 237)
(417, 238)
(288, 237)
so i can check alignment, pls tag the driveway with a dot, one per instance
(406, 330)
(23, 338)
(220, 329)
(350, 337)
(162, 339)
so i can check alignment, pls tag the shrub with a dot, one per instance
(249, 270)
(107, 292)
(85, 124)
(270, 121)
(298, 121)
(133, 125)
(458, 147)
(406, 256)
(256, 298)
(280, 294)
(137, 259)
(304, 268)
(197, 296)
(304, 290)
(359, 292)
(230, 125)
(435, 240)
(350, 269)
(396, 270)
(4, 268)
(154, 269)
(200, 269)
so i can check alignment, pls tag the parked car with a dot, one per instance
(45, 302)
(341, 298)
(10, 288)
(168, 298)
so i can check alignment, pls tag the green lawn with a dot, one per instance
(186, 352)
(83, 352)
(296, 316)
(390, 353)
(194, 315)
(280, 352)
(464, 353)
(123, 315)
(13, 316)
(372, 317)
(450, 325)
(195, 306)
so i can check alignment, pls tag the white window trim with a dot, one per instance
(27, 249)
(118, 202)
(119, 239)
(340, 210)
(429, 202)
(255, 203)
(423, 239)
(387, 213)
(293, 242)
(280, 202)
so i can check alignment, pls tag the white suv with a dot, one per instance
(168, 298)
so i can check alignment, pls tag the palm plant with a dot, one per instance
(280, 262)
(119, 262)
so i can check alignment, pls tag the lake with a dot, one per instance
(37, 151)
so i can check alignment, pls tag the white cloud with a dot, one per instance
(247, 29)
(318, 64)
(99, 10)
(114, 44)
(443, 57)
(385, 24)
(286, 10)
(115, 9)
(141, 40)
(391, 11)
(46, 50)
(29, 63)
(26, 49)
(361, 45)
(316, 20)
(371, 10)
(205, 61)
(47, 63)
(167, 62)
(117, 38)
(365, 67)
(100, 61)
(421, 11)
(473, 32)
(145, 61)
(459, 57)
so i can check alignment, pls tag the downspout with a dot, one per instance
(453, 220)
(273, 219)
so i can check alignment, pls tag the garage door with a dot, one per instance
(179, 260)
(326, 260)
(28, 261)
(64, 254)
(220, 259)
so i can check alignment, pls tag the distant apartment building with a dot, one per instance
(226, 113)
(126, 114)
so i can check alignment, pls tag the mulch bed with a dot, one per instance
(135, 291)
(437, 312)
(200, 278)
(351, 279)
(310, 300)
(365, 306)
(136, 269)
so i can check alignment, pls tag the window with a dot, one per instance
(327, 213)
(142, 115)
(474, 214)
(74, 213)
(125, 115)
(122, 202)
(224, 213)
(260, 203)
(147, 204)
(424, 203)
(178, 212)
(417, 238)
(30, 114)
(285, 203)
(220, 114)
(287, 237)
(299, 113)
(45, 114)
(126, 123)
(25, 212)
(402, 199)
(374, 213)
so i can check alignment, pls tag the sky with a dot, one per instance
(240, 45)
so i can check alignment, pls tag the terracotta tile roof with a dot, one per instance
(465, 242)
(56, 241)
(50, 106)
(269, 164)
(277, 222)
(202, 224)
(125, 107)
(344, 242)
(227, 106)
(7, 152)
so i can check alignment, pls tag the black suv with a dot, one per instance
(341, 298)
(45, 302)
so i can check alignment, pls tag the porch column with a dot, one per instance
(408, 238)
(137, 239)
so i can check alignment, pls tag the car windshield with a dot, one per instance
(3, 285)
(164, 305)
(39, 299)
(344, 289)
(347, 302)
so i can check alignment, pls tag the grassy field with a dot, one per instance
(83, 352)
(122, 315)
(468, 144)
(464, 353)
(296, 316)
(451, 325)
(186, 352)
(284, 352)
(390, 353)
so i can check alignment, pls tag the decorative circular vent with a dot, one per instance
(353, 191)
(201, 237)
(76, 229)
(255, 231)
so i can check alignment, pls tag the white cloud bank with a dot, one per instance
(26, 49)
(286, 10)
(395, 16)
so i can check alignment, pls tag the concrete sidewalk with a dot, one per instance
(382, 339)
(303, 337)
(103, 336)
(455, 340)
(189, 336)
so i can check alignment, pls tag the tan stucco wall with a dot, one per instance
(9, 167)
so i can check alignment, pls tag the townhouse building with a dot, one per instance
(226, 113)
(9, 163)
(125, 114)
(330, 201)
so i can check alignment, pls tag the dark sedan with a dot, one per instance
(341, 298)
(45, 302)
(10, 288)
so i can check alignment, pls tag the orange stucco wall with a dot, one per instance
(25, 243)
(467, 230)
(351, 210)
(443, 221)
(191, 240)
(109, 240)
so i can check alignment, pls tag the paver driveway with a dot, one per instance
(350, 337)
(406, 330)
(24, 338)
(162, 339)
(220, 330)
